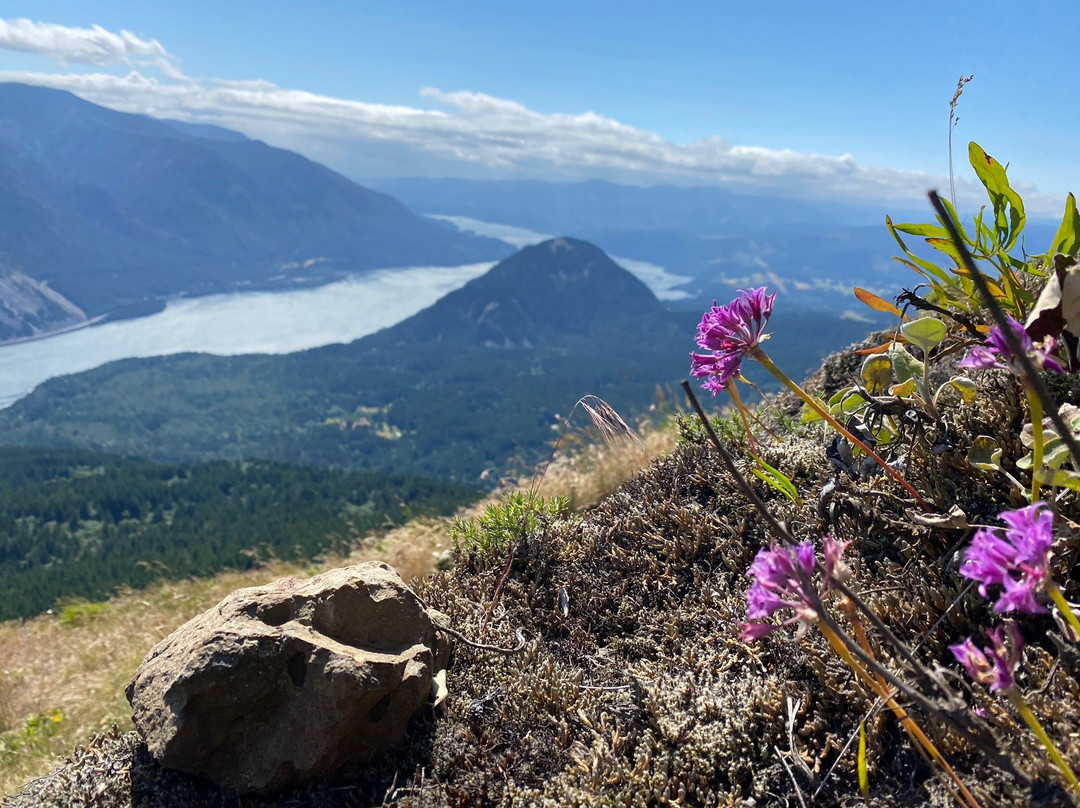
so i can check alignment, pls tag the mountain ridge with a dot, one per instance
(113, 209)
(527, 298)
(450, 392)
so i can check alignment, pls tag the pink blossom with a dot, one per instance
(729, 332)
(1018, 563)
(995, 666)
(996, 353)
(779, 574)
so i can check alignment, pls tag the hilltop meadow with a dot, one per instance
(860, 590)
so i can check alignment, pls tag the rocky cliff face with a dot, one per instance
(29, 308)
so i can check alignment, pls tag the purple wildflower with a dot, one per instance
(729, 332)
(1019, 563)
(996, 666)
(996, 353)
(778, 585)
(835, 567)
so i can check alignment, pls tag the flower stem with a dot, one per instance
(815, 405)
(1033, 723)
(1066, 610)
(928, 397)
(1035, 404)
(733, 391)
(885, 693)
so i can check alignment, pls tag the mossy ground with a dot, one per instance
(642, 693)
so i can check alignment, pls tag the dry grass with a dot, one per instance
(62, 677)
(585, 473)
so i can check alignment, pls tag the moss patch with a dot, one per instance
(641, 693)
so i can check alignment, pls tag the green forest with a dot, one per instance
(79, 524)
(389, 402)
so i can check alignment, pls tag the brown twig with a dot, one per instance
(519, 634)
(922, 304)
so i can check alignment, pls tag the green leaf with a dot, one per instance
(921, 263)
(1061, 478)
(931, 230)
(904, 389)
(1067, 238)
(876, 374)
(777, 479)
(810, 415)
(925, 333)
(905, 366)
(883, 436)
(985, 454)
(992, 285)
(946, 245)
(864, 774)
(984, 235)
(956, 222)
(851, 404)
(1055, 453)
(965, 387)
(1008, 206)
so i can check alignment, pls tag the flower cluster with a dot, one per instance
(996, 353)
(996, 666)
(729, 332)
(1019, 563)
(779, 574)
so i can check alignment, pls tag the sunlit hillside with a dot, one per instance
(63, 674)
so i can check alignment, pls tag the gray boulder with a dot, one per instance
(288, 681)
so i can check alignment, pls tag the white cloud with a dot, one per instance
(93, 46)
(456, 133)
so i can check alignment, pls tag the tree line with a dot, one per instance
(80, 524)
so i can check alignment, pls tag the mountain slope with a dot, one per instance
(80, 524)
(458, 391)
(113, 209)
(454, 391)
(543, 293)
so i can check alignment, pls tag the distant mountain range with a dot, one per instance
(814, 252)
(463, 390)
(577, 207)
(103, 211)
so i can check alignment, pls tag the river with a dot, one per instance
(273, 322)
(243, 323)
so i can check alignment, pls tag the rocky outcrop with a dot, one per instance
(29, 308)
(284, 682)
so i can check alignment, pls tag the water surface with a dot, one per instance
(243, 323)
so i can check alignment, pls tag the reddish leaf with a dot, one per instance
(877, 303)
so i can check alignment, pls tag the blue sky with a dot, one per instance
(838, 99)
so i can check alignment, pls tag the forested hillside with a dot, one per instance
(464, 390)
(113, 210)
(81, 524)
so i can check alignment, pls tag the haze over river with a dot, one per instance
(273, 322)
(245, 323)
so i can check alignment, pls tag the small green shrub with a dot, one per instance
(502, 525)
(33, 736)
(78, 612)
